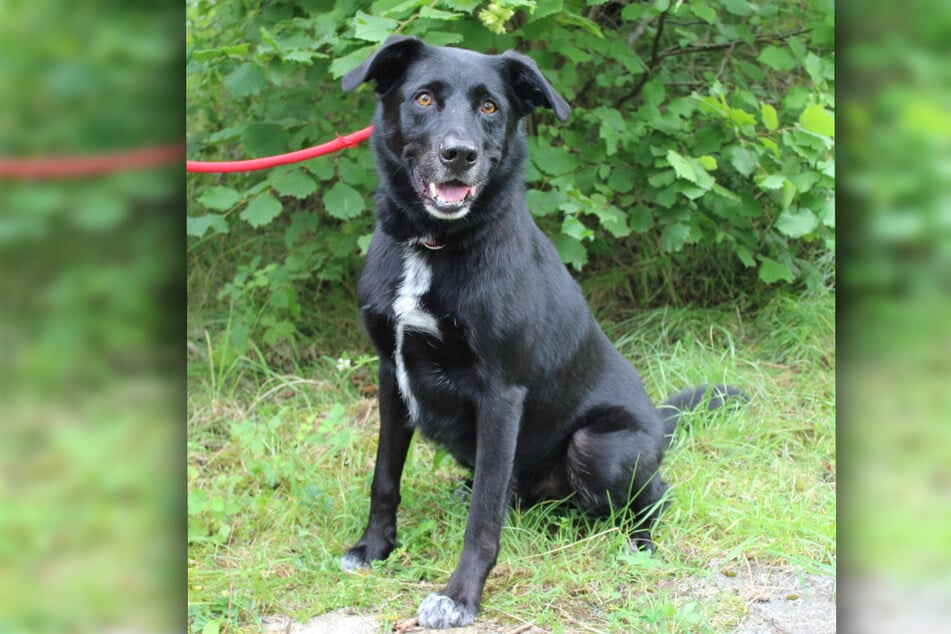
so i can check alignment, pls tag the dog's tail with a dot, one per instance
(691, 398)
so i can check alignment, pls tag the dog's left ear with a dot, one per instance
(386, 65)
(531, 87)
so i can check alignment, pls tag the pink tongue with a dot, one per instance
(452, 192)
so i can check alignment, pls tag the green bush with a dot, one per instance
(700, 144)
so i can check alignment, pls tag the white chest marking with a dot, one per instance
(407, 307)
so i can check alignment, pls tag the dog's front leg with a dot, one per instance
(498, 419)
(379, 538)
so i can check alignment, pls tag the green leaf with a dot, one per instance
(692, 192)
(461, 5)
(262, 210)
(797, 47)
(773, 181)
(229, 133)
(742, 118)
(611, 128)
(708, 162)
(827, 212)
(364, 243)
(737, 7)
(554, 160)
(704, 180)
(703, 11)
(436, 14)
(674, 236)
(236, 50)
(302, 56)
(571, 226)
(724, 192)
(544, 203)
(789, 193)
(641, 218)
(245, 80)
(621, 181)
(777, 58)
(294, 183)
(442, 38)
(343, 202)
(681, 166)
(264, 139)
(797, 223)
(814, 65)
(744, 255)
(197, 226)
(633, 11)
(771, 271)
(666, 197)
(770, 145)
(220, 198)
(571, 251)
(743, 160)
(212, 627)
(573, 19)
(819, 120)
(662, 179)
(618, 49)
(373, 29)
(770, 119)
(613, 220)
(654, 92)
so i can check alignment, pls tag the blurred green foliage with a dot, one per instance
(897, 112)
(894, 315)
(89, 486)
(698, 160)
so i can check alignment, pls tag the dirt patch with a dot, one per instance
(344, 622)
(777, 601)
(338, 622)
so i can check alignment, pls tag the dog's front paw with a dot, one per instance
(439, 612)
(353, 562)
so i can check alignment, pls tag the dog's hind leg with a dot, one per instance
(612, 461)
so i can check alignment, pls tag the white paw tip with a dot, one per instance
(352, 563)
(439, 611)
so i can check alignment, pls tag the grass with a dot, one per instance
(279, 468)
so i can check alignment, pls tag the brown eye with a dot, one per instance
(489, 107)
(424, 99)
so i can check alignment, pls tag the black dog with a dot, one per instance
(486, 344)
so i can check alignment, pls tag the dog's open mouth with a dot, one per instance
(449, 200)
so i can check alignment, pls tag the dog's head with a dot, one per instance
(448, 129)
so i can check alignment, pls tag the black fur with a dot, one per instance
(499, 357)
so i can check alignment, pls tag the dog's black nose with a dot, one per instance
(457, 153)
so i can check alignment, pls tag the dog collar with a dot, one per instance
(429, 243)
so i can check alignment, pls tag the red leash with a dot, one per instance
(341, 142)
(78, 166)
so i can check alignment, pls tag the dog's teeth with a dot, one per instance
(432, 190)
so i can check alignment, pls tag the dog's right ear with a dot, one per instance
(387, 65)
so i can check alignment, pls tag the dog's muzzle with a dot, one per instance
(449, 200)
